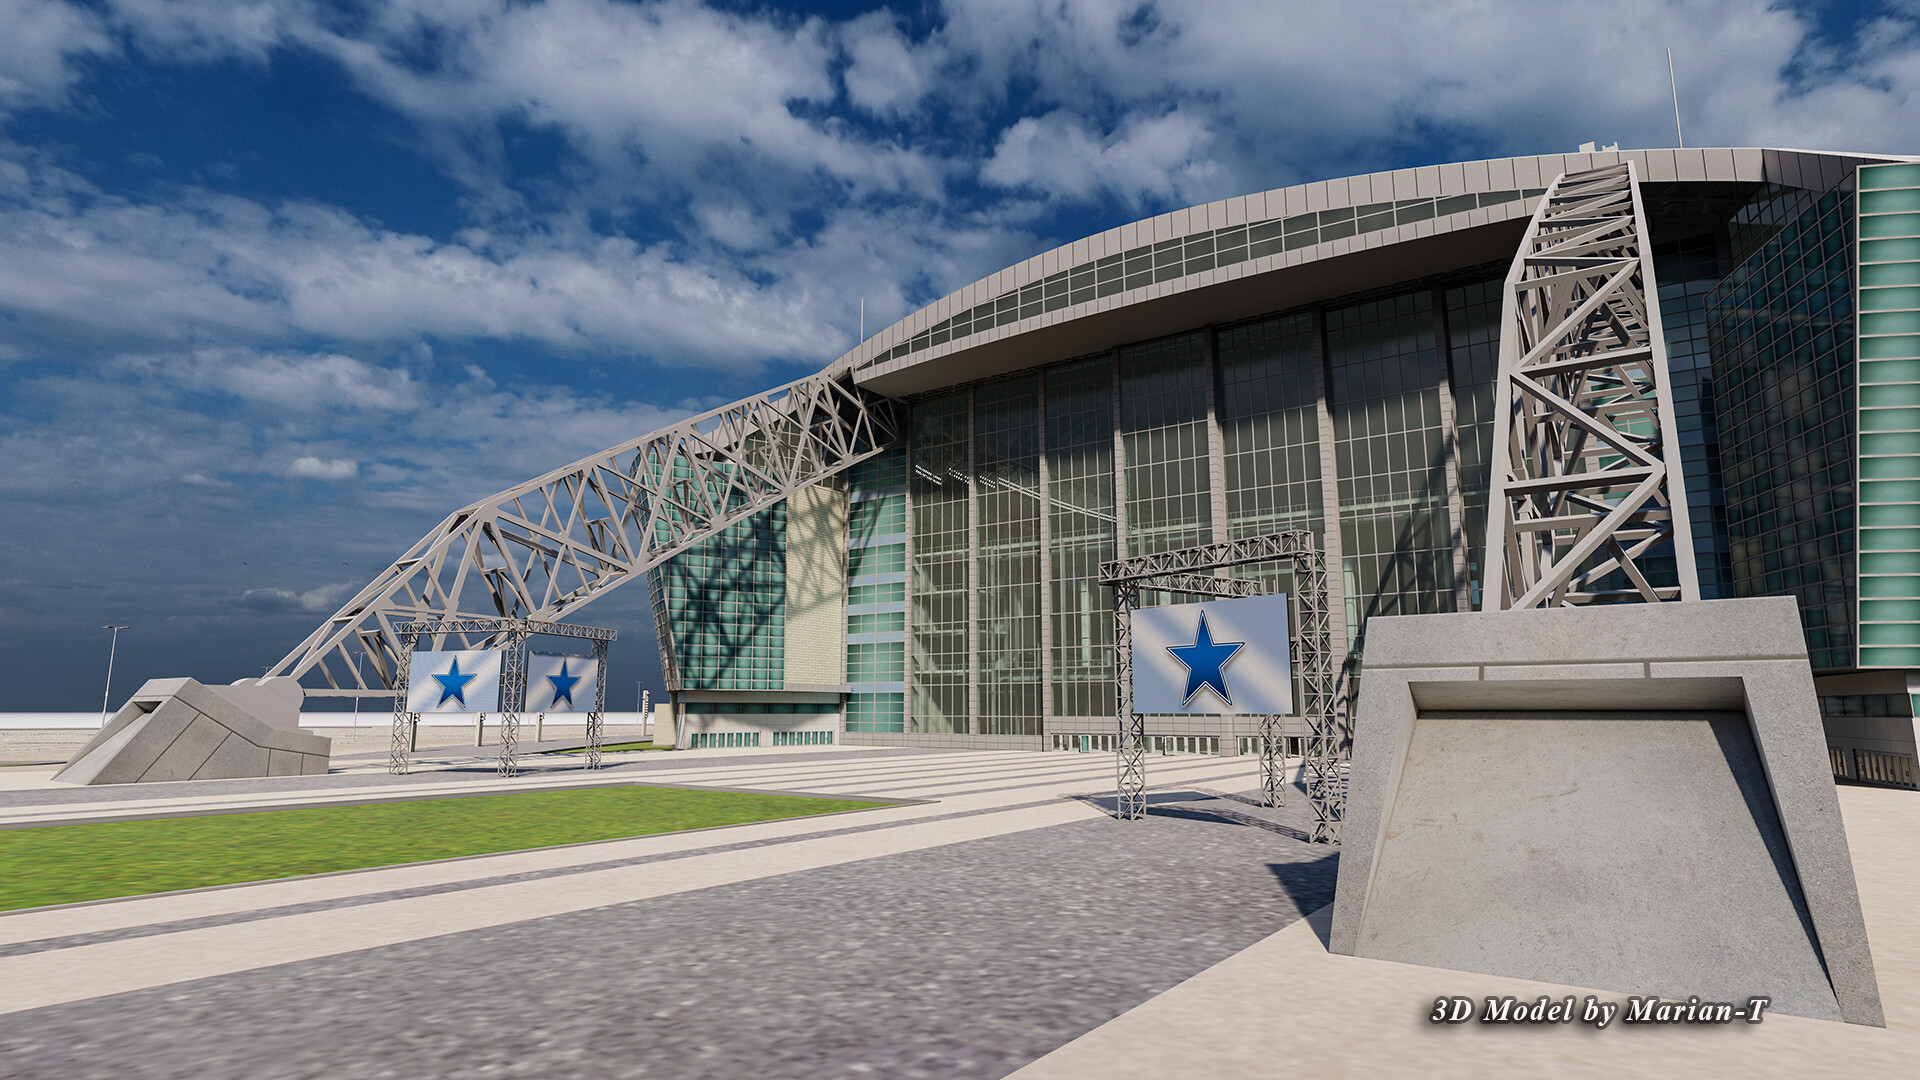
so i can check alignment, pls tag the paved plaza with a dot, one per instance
(996, 922)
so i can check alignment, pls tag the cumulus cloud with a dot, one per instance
(1150, 159)
(324, 598)
(313, 468)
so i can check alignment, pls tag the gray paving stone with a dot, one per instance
(961, 961)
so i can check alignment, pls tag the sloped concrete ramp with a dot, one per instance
(1633, 798)
(179, 729)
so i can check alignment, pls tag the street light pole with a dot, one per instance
(107, 692)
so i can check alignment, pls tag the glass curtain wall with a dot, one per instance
(1163, 420)
(876, 593)
(1389, 445)
(1006, 430)
(1687, 271)
(1889, 389)
(1781, 329)
(1473, 354)
(726, 598)
(1081, 535)
(1269, 434)
(939, 482)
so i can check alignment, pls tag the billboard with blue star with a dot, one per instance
(1219, 656)
(561, 683)
(466, 681)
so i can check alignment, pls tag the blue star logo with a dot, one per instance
(453, 685)
(563, 685)
(1206, 662)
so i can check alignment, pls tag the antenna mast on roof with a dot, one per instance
(1675, 87)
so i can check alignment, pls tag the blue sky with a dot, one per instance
(282, 283)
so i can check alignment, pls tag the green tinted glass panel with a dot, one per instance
(1891, 395)
(1890, 491)
(884, 559)
(1904, 610)
(1890, 468)
(1890, 298)
(891, 593)
(1890, 586)
(1890, 274)
(1884, 657)
(1896, 515)
(1886, 371)
(1889, 419)
(1889, 634)
(1875, 177)
(1890, 562)
(1889, 250)
(1890, 322)
(1892, 442)
(1890, 225)
(1890, 348)
(1890, 202)
(1889, 539)
(1907, 296)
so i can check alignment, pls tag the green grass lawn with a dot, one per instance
(62, 864)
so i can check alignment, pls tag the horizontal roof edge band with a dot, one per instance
(1147, 264)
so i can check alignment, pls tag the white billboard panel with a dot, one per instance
(561, 683)
(1214, 657)
(466, 681)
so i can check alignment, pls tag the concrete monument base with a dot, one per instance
(1632, 798)
(178, 729)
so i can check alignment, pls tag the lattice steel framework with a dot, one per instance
(541, 550)
(509, 635)
(1189, 570)
(1587, 483)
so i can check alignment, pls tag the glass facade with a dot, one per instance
(1390, 458)
(877, 594)
(726, 598)
(940, 588)
(1080, 520)
(1780, 329)
(1473, 354)
(1889, 417)
(1006, 450)
(1163, 426)
(1688, 270)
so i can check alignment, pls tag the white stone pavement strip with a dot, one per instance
(48, 923)
(735, 774)
(1288, 1006)
(87, 971)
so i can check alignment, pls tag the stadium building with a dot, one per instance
(1319, 357)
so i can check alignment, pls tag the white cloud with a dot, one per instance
(42, 44)
(325, 598)
(1162, 158)
(885, 75)
(314, 468)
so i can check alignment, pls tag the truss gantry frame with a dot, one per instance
(511, 636)
(1587, 479)
(543, 549)
(1190, 570)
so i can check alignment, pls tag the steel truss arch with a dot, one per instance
(545, 548)
(1587, 480)
(1190, 570)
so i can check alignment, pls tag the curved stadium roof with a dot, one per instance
(1265, 252)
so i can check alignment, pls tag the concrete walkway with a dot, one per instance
(1289, 1007)
(999, 924)
(979, 795)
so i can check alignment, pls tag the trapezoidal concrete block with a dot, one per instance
(177, 729)
(1529, 797)
(235, 757)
